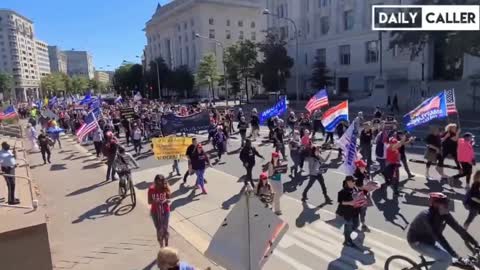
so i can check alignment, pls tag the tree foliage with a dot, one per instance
(276, 65)
(449, 46)
(207, 73)
(241, 61)
(54, 83)
(128, 78)
(320, 75)
(6, 82)
(151, 76)
(182, 81)
(78, 84)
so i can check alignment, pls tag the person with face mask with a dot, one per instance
(426, 231)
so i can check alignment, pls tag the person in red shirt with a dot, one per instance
(159, 200)
(392, 169)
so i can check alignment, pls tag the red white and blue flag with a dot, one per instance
(8, 113)
(450, 100)
(318, 101)
(333, 116)
(89, 125)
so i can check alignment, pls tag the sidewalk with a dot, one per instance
(90, 227)
(314, 240)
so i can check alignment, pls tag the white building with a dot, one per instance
(339, 32)
(171, 30)
(18, 54)
(43, 60)
(102, 76)
(58, 60)
(79, 63)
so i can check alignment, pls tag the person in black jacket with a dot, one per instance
(247, 156)
(427, 229)
(346, 209)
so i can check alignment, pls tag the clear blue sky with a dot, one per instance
(111, 30)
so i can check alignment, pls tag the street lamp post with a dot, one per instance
(219, 43)
(297, 79)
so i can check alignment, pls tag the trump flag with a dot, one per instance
(432, 108)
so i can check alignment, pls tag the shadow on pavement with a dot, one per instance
(308, 215)
(389, 208)
(58, 167)
(124, 210)
(183, 201)
(93, 166)
(350, 256)
(232, 200)
(87, 189)
(104, 210)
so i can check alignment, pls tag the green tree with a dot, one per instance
(6, 83)
(449, 46)
(320, 75)
(276, 65)
(241, 60)
(182, 81)
(207, 73)
(79, 84)
(54, 83)
(151, 79)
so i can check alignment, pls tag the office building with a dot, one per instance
(18, 55)
(43, 60)
(58, 59)
(102, 76)
(171, 30)
(79, 63)
(339, 33)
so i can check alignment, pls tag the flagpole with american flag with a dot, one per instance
(451, 105)
(318, 101)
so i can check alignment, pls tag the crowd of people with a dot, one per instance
(380, 137)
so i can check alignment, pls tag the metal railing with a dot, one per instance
(34, 203)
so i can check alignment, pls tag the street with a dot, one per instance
(85, 213)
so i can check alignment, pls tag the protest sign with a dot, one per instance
(128, 113)
(170, 147)
(172, 123)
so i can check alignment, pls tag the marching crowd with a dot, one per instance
(294, 139)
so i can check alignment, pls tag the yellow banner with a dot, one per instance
(170, 147)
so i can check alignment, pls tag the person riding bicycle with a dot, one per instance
(426, 231)
(122, 162)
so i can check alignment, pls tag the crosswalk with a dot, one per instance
(313, 242)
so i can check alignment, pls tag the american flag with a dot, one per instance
(433, 103)
(90, 124)
(318, 101)
(8, 113)
(450, 100)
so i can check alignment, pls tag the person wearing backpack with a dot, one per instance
(472, 200)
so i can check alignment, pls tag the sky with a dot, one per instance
(111, 30)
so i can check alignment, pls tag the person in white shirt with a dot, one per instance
(8, 164)
(137, 139)
(32, 137)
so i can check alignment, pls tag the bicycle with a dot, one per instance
(125, 177)
(471, 263)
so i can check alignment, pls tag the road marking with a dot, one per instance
(296, 264)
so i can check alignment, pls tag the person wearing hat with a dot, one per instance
(392, 168)
(8, 164)
(360, 175)
(264, 189)
(466, 157)
(346, 209)
(403, 155)
(276, 181)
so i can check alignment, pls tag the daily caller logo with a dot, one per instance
(426, 17)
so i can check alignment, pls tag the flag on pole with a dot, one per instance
(348, 144)
(119, 99)
(8, 113)
(52, 102)
(432, 108)
(450, 100)
(318, 101)
(279, 109)
(90, 124)
(86, 100)
(333, 116)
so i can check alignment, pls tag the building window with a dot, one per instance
(240, 23)
(322, 56)
(211, 33)
(253, 36)
(348, 19)
(185, 26)
(179, 39)
(344, 53)
(368, 83)
(323, 3)
(192, 23)
(185, 38)
(252, 25)
(371, 51)
(228, 34)
(324, 25)
(240, 36)
(211, 21)
(283, 32)
(228, 22)
(187, 55)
